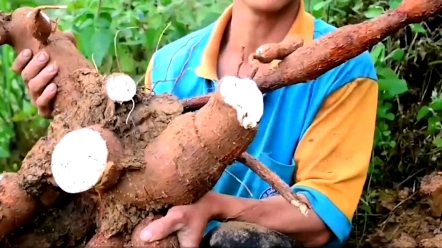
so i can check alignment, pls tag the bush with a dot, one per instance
(121, 35)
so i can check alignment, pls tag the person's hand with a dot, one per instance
(38, 74)
(189, 222)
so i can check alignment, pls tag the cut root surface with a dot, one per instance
(245, 97)
(79, 160)
(120, 87)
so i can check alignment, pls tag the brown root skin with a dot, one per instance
(181, 165)
(276, 182)
(184, 162)
(65, 225)
(80, 103)
(36, 185)
(277, 51)
(171, 241)
(18, 26)
(100, 240)
(16, 206)
(113, 169)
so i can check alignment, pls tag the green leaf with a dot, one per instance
(386, 73)
(390, 116)
(4, 153)
(437, 142)
(433, 124)
(103, 20)
(436, 104)
(378, 53)
(100, 43)
(320, 5)
(397, 55)
(374, 11)
(126, 60)
(423, 112)
(394, 3)
(418, 28)
(393, 87)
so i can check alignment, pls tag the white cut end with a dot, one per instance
(1, 177)
(245, 97)
(79, 160)
(120, 87)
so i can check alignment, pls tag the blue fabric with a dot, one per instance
(288, 114)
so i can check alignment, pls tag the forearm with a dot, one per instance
(274, 213)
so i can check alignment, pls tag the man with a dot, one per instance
(317, 136)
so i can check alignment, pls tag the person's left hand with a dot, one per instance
(189, 222)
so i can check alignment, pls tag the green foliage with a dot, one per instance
(408, 130)
(122, 35)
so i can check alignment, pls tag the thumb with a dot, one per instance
(161, 228)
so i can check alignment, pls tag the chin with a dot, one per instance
(269, 5)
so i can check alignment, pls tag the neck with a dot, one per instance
(250, 29)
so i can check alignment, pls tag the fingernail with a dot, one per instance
(146, 235)
(26, 53)
(52, 87)
(41, 57)
(51, 68)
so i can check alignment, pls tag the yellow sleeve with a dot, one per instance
(148, 76)
(334, 155)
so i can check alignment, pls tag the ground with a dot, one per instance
(412, 217)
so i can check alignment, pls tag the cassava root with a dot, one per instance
(166, 158)
(158, 159)
(283, 189)
(311, 61)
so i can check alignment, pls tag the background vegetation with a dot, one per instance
(122, 35)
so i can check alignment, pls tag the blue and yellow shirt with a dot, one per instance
(316, 136)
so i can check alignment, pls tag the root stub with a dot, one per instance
(65, 225)
(275, 181)
(86, 158)
(16, 206)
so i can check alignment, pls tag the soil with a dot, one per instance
(413, 217)
(68, 224)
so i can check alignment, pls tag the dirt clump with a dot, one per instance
(414, 217)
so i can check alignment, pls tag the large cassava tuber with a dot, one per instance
(134, 154)
(130, 151)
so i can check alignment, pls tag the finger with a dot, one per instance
(37, 84)
(71, 37)
(44, 102)
(34, 67)
(22, 60)
(162, 227)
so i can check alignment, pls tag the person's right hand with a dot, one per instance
(38, 73)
